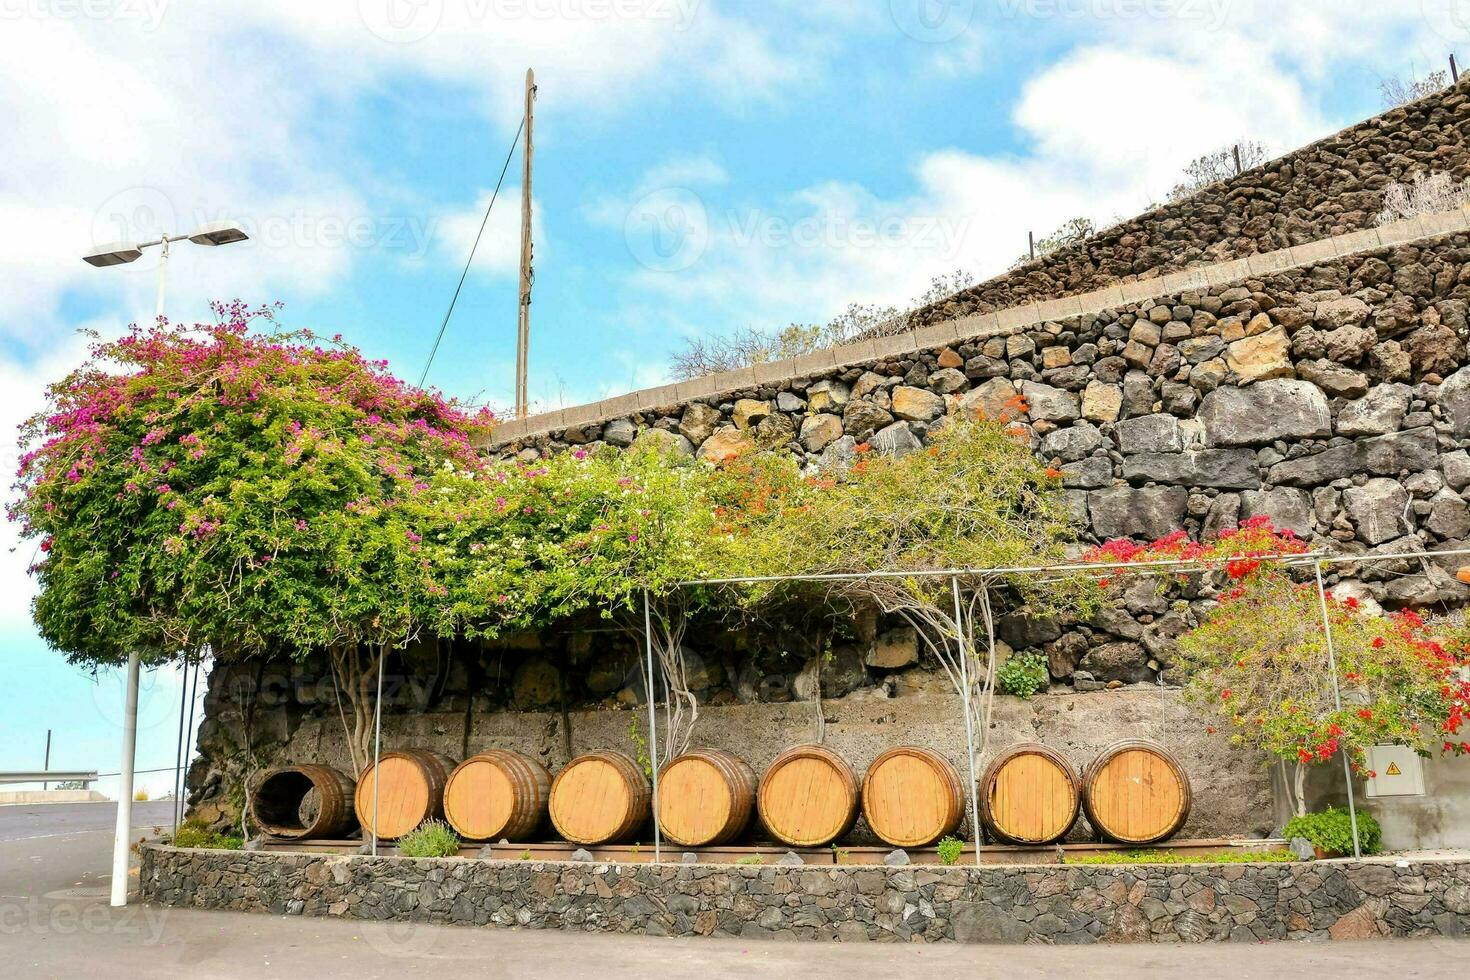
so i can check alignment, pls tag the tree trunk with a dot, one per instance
(1301, 790)
(357, 677)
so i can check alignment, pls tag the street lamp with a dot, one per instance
(121, 253)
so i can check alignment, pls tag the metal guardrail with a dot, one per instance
(54, 776)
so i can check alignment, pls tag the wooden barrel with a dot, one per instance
(1029, 794)
(1136, 792)
(497, 794)
(601, 798)
(410, 790)
(912, 797)
(303, 802)
(808, 797)
(705, 797)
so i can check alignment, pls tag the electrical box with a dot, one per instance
(1400, 771)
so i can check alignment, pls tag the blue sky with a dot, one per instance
(701, 166)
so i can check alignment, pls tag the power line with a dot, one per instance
(483, 222)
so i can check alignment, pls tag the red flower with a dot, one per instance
(1225, 694)
(1365, 714)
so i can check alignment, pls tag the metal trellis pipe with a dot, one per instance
(377, 745)
(179, 747)
(969, 716)
(1337, 699)
(652, 724)
(189, 738)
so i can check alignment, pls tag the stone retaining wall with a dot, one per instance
(1047, 904)
(1330, 395)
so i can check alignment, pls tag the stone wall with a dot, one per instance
(1232, 794)
(1328, 394)
(1045, 904)
(1328, 188)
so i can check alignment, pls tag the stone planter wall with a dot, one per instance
(1050, 904)
(1326, 390)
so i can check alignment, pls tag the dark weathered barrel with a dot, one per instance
(912, 796)
(1029, 794)
(808, 797)
(410, 789)
(1136, 792)
(497, 795)
(303, 802)
(600, 798)
(705, 797)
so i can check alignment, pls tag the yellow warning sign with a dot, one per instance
(1394, 770)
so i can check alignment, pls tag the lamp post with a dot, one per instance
(121, 253)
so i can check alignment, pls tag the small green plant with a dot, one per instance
(1332, 831)
(640, 747)
(524, 855)
(950, 849)
(1172, 857)
(1023, 675)
(194, 833)
(750, 859)
(431, 839)
(839, 853)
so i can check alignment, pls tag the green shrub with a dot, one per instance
(1332, 831)
(950, 849)
(194, 833)
(431, 839)
(1172, 857)
(1023, 675)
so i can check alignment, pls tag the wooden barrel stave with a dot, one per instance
(497, 794)
(1029, 794)
(808, 796)
(912, 796)
(412, 791)
(1136, 792)
(280, 801)
(600, 798)
(706, 797)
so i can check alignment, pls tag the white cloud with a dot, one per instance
(499, 251)
(1106, 129)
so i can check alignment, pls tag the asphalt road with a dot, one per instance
(55, 922)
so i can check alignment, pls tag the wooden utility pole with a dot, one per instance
(523, 323)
